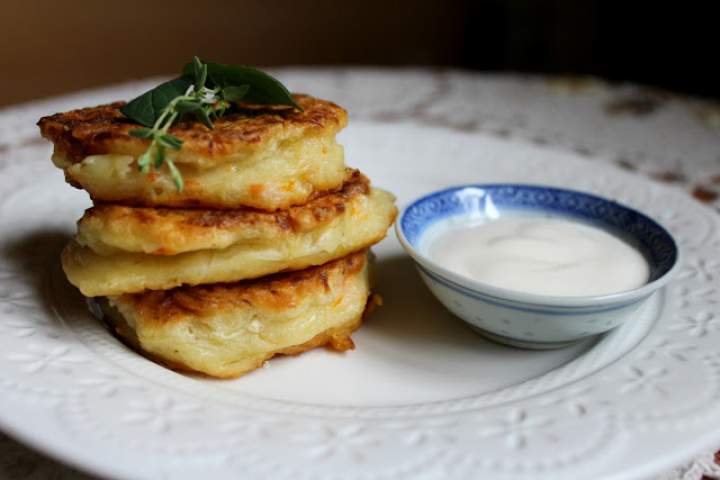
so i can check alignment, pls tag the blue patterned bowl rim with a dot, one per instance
(654, 241)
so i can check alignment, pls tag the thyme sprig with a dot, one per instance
(206, 91)
(198, 99)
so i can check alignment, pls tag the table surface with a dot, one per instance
(668, 137)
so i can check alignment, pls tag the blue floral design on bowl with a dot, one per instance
(529, 320)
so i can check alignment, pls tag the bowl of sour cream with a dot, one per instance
(536, 266)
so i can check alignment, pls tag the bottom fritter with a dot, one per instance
(226, 330)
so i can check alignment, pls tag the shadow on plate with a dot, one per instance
(33, 258)
(412, 330)
(411, 314)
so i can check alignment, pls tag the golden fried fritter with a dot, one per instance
(109, 229)
(225, 330)
(361, 222)
(262, 156)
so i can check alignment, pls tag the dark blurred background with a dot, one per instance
(49, 47)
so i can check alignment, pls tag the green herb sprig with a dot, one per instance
(206, 91)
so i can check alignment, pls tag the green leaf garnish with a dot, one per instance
(206, 91)
(148, 107)
(187, 106)
(141, 133)
(263, 88)
(159, 154)
(171, 141)
(200, 73)
(204, 117)
(175, 174)
(144, 161)
(233, 93)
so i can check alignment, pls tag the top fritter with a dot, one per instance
(262, 156)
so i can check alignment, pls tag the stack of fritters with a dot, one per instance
(263, 252)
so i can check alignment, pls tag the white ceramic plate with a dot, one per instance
(422, 396)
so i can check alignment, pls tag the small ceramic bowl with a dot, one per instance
(530, 320)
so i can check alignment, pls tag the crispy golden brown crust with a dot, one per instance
(364, 223)
(172, 231)
(104, 129)
(337, 338)
(226, 330)
(273, 292)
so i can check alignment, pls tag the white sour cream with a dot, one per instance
(546, 256)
